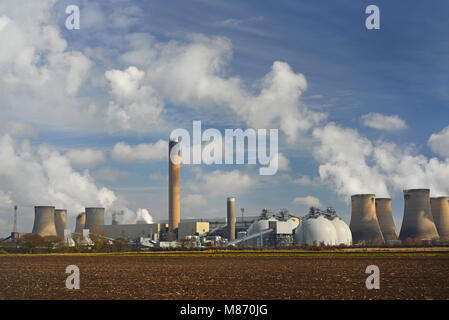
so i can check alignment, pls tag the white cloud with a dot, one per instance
(123, 152)
(85, 158)
(192, 75)
(352, 164)
(136, 106)
(342, 154)
(439, 142)
(309, 201)
(383, 122)
(283, 162)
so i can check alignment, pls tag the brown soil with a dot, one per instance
(184, 277)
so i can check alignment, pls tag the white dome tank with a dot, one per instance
(344, 235)
(314, 231)
(260, 225)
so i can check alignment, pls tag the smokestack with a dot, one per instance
(231, 218)
(384, 215)
(60, 221)
(80, 222)
(94, 218)
(440, 213)
(418, 221)
(44, 221)
(174, 189)
(364, 224)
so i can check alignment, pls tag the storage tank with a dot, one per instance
(440, 213)
(364, 224)
(94, 218)
(44, 221)
(60, 221)
(315, 231)
(418, 221)
(80, 222)
(344, 235)
(385, 217)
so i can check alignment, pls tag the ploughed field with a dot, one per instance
(147, 276)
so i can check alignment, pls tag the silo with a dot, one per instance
(44, 221)
(174, 189)
(80, 222)
(440, 213)
(364, 224)
(417, 221)
(231, 218)
(60, 221)
(385, 217)
(94, 218)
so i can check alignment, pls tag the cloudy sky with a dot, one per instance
(85, 114)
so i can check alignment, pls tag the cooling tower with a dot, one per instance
(44, 221)
(174, 190)
(231, 218)
(418, 221)
(94, 218)
(364, 224)
(440, 213)
(80, 222)
(384, 215)
(60, 221)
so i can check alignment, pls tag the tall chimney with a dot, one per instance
(384, 215)
(231, 218)
(60, 221)
(418, 221)
(94, 218)
(44, 221)
(174, 188)
(364, 224)
(440, 213)
(80, 222)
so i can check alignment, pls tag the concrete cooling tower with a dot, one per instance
(44, 221)
(80, 222)
(418, 221)
(440, 213)
(231, 218)
(385, 217)
(364, 224)
(94, 218)
(174, 190)
(60, 221)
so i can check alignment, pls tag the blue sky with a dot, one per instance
(399, 72)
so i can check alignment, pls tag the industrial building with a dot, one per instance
(418, 220)
(440, 213)
(60, 221)
(132, 231)
(364, 224)
(44, 221)
(384, 214)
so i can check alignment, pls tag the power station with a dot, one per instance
(371, 222)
